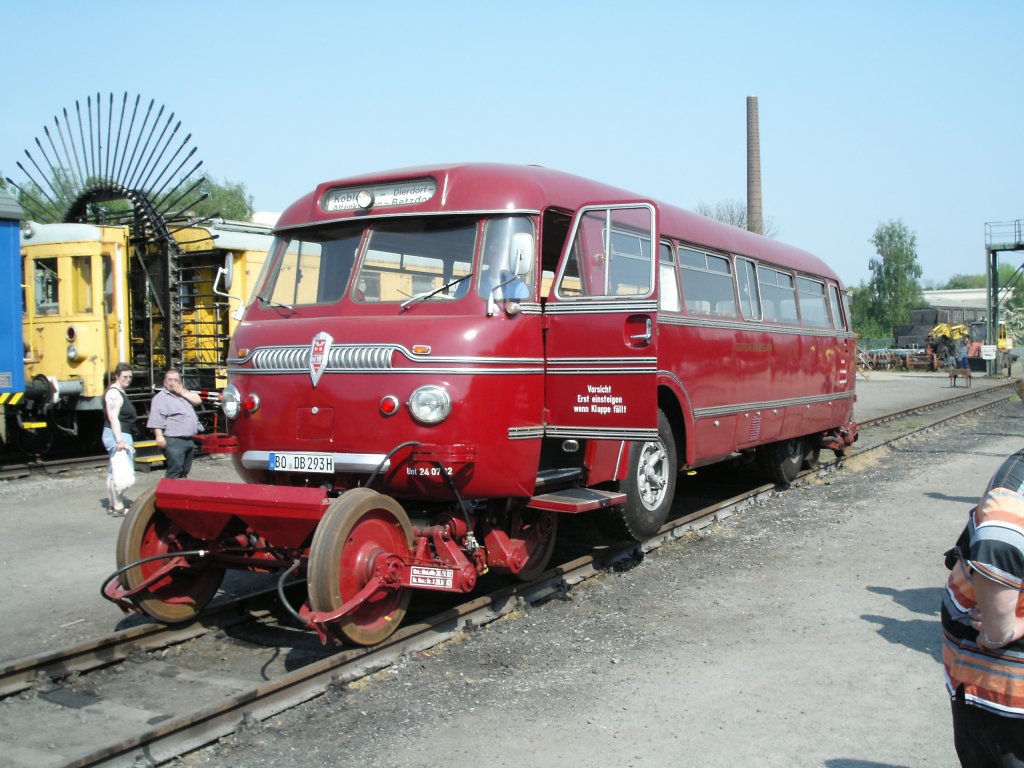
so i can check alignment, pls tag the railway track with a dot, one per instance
(151, 693)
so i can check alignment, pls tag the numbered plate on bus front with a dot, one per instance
(301, 462)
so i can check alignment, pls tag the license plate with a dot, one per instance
(301, 462)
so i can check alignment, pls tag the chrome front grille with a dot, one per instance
(354, 357)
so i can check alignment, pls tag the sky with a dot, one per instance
(869, 111)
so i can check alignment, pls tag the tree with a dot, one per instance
(894, 288)
(734, 212)
(230, 200)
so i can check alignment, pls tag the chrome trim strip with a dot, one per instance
(602, 360)
(601, 305)
(605, 371)
(343, 462)
(601, 433)
(747, 325)
(728, 410)
(525, 433)
(355, 358)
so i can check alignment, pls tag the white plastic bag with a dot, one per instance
(122, 467)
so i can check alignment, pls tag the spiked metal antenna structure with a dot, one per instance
(140, 175)
(83, 164)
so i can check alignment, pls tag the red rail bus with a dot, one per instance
(436, 363)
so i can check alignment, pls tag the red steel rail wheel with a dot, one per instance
(180, 594)
(539, 530)
(357, 528)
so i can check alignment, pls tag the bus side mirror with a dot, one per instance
(521, 254)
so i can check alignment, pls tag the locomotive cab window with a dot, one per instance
(45, 282)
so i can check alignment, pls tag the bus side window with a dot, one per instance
(668, 298)
(707, 282)
(834, 304)
(813, 308)
(778, 294)
(750, 297)
(556, 229)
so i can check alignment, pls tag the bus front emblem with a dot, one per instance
(318, 353)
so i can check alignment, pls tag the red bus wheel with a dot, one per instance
(649, 488)
(180, 595)
(782, 461)
(357, 528)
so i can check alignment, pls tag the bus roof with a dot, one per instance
(493, 187)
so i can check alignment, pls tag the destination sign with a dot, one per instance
(378, 196)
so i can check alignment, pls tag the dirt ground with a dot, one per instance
(803, 632)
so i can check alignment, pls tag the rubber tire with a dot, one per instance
(782, 461)
(636, 520)
(336, 555)
(143, 533)
(812, 455)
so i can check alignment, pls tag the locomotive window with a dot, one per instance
(668, 297)
(81, 284)
(813, 307)
(108, 284)
(412, 258)
(707, 283)
(45, 284)
(750, 297)
(778, 292)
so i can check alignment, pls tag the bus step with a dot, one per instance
(575, 500)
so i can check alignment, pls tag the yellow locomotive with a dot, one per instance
(96, 295)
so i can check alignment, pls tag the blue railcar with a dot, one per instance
(12, 352)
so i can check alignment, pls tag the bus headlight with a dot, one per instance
(430, 404)
(230, 401)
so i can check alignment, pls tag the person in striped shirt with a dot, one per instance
(983, 625)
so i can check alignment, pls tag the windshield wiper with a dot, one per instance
(433, 292)
(275, 304)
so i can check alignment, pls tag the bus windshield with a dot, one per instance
(308, 270)
(398, 261)
(423, 259)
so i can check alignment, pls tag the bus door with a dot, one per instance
(601, 329)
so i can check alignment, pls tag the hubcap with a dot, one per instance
(652, 479)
